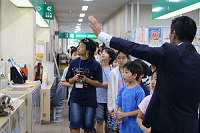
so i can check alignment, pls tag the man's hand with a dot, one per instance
(94, 25)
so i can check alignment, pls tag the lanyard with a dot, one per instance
(80, 65)
(121, 77)
(105, 73)
(114, 121)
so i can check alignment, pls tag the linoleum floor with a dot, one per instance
(61, 127)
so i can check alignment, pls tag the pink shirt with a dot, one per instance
(144, 104)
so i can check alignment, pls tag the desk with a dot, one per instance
(45, 102)
(32, 105)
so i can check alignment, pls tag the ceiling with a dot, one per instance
(67, 11)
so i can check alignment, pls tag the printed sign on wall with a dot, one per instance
(155, 36)
(141, 35)
(166, 32)
(197, 37)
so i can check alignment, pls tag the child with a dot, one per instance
(107, 56)
(114, 84)
(96, 53)
(86, 74)
(63, 82)
(129, 98)
(115, 63)
(144, 75)
(144, 104)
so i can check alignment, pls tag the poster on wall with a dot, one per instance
(197, 37)
(40, 50)
(155, 37)
(141, 35)
(166, 32)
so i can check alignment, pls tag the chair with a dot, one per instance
(56, 100)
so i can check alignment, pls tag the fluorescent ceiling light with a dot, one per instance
(22, 3)
(157, 9)
(75, 31)
(78, 23)
(40, 21)
(180, 11)
(84, 8)
(80, 20)
(174, 0)
(87, 0)
(82, 15)
(78, 26)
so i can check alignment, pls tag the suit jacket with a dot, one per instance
(174, 105)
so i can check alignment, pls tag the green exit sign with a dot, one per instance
(46, 11)
(66, 35)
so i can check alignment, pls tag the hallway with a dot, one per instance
(61, 127)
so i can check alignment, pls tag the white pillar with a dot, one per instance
(126, 18)
(64, 45)
(132, 15)
(138, 13)
(199, 17)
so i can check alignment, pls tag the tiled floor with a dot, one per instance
(61, 127)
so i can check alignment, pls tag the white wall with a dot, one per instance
(114, 25)
(18, 35)
(43, 34)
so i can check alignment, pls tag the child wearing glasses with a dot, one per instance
(86, 74)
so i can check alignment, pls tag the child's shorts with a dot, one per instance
(110, 123)
(81, 117)
(101, 112)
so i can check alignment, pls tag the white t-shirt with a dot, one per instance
(64, 74)
(63, 79)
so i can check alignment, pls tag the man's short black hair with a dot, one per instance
(134, 67)
(145, 67)
(185, 28)
(111, 54)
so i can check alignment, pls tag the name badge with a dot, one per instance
(79, 85)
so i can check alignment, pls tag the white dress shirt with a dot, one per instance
(104, 37)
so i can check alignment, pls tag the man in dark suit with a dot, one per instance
(174, 105)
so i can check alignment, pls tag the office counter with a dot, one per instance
(33, 104)
(15, 122)
(45, 102)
